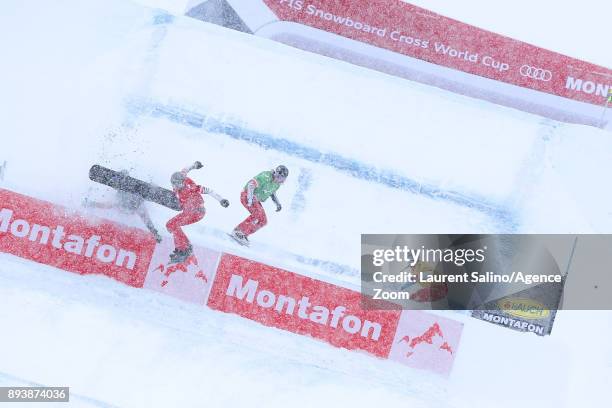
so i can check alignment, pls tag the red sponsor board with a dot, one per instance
(282, 299)
(407, 41)
(55, 236)
(422, 34)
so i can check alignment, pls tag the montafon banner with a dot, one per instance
(401, 39)
(57, 236)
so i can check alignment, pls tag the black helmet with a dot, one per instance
(281, 171)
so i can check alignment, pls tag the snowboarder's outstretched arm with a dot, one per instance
(210, 192)
(278, 204)
(196, 165)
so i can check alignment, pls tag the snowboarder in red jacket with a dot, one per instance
(190, 197)
(257, 190)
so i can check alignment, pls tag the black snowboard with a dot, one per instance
(123, 182)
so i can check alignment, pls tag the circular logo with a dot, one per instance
(539, 74)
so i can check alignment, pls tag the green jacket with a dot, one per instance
(266, 186)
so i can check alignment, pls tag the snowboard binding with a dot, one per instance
(181, 255)
(239, 237)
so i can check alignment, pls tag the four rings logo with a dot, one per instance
(538, 74)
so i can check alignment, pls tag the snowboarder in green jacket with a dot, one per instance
(256, 191)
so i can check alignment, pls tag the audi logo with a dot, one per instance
(538, 74)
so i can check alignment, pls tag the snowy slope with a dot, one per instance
(125, 347)
(131, 87)
(132, 348)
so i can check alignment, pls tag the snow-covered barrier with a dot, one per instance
(53, 235)
(414, 43)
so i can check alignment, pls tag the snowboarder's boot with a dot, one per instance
(175, 253)
(187, 252)
(180, 255)
(174, 256)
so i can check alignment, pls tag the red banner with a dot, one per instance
(422, 34)
(55, 236)
(302, 305)
(407, 41)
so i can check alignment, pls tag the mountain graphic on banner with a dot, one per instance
(427, 337)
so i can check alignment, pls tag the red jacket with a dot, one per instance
(190, 195)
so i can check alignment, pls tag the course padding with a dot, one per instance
(407, 41)
(56, 236)
(53, 235)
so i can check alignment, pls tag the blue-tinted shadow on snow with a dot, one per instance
(161, 17)
(299, 199)
(500, 215)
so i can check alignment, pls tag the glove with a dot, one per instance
(198, 165)
(224, 203)
(278, 207)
